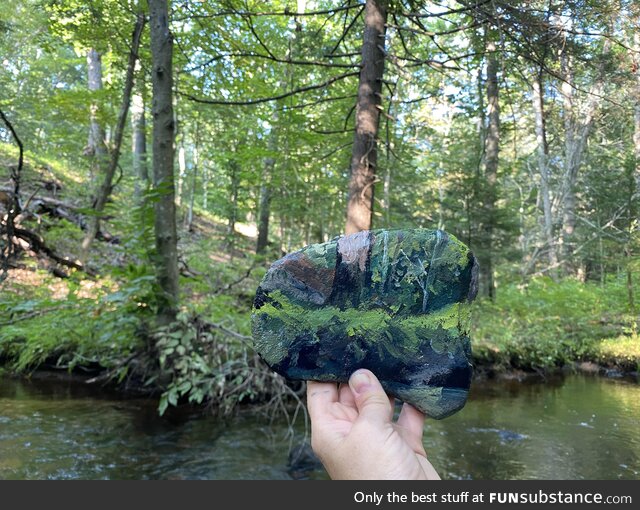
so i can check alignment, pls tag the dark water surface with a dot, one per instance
(563, 428)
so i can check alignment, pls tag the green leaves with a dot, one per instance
(545, 324)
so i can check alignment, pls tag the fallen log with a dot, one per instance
(37, 244)
(60, 210)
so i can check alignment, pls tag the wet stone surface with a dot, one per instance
(393, 301)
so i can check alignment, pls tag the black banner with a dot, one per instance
(326, 495)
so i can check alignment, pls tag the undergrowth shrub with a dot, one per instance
(547, 323)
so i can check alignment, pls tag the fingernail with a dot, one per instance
(360, 381)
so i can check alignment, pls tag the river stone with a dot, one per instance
(393, 301)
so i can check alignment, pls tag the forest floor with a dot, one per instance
(98, 324)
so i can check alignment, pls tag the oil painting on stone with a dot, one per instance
(394, 301)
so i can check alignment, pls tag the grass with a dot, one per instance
(621, 351)
(547, 324)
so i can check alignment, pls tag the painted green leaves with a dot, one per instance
(393, 301)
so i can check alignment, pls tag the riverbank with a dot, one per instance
(101, 325)
(538, 329)
(547, 325)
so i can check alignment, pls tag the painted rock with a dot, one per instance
(393, 301)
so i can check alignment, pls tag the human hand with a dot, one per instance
(353, 433)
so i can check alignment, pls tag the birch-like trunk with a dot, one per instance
(166, 259)
(96, 147)
(634, 206)
(537, 98)
(578, 124)
(205, 187)
(233, 212)
(139, 143)
(194, 179)
(364, 155)
(492, 151)
(264, 201)
(104, 190)
(636, 116)
(182, 171)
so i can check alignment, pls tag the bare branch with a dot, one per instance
(271, 57)
(255, 34)
(346, 31)
(286, 12)
(466, 8)
(319, 101)
(271, 98)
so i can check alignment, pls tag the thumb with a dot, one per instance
(371, 400)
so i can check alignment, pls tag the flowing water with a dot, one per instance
(562, 428)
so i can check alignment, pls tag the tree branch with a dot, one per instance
(271, 57)
(466, 8)
(346, 31)
(260, 100)
(13, 209)
(286, 12)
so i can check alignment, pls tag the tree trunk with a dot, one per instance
(492, 150)
(634, 206)
(96, 147)
(364, 153)
(163, 155)
(194, 181)
(233, 212)
(577, 130)
(543, 167)
(104, 190)
(205, 187)
(264, 205)
(139, 142)
(636, 116)
(182, 171)
(264, 201)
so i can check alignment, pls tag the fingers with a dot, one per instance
(429, 471)
(319, 397)
(346, 396)
(410, 426)
(371, 400)
(412, 421)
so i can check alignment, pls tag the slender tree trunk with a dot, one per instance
(568, 196)
(264, 205)
(481, 127)
(182, 171)
(194, 180)
(492, 150)
(96, 147)
(205, 187)
(264, 200)
(163, 155)
(634, 206)
(364, 153)
(104, 189)
(543, 167)
(139, 141)
(636, 116)
(233, 212)
(577, 130)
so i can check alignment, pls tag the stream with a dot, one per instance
(571, 427)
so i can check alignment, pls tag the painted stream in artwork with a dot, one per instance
(564, 428)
